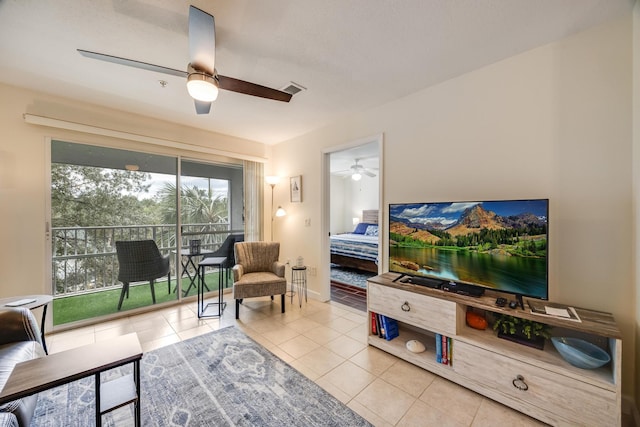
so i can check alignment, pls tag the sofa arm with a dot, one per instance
(278, 268)
(18, 324)
(238, 271)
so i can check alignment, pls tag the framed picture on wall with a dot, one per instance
(296, 188)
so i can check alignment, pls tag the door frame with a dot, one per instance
(325, 226)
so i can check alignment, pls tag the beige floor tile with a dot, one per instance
(58, 344)
(341, 324)
(374, 360)
(303, 325)
(345, 346)
(408, 377)
(280, 335)
(490, 411)
(322, 334)
(116, 331)
(265, 325)
(377, 397)
(323, 316)
(111, 324)
(298, 346)
(194, 332)
(304, 370)
(155, 333)
(160, 342)
(286, 357)
(421, 414)
(349, 377)
(189, 323)
(441, 392)
(320, 360)
(368, 415)
(360, 333)
(356, 316)
(333, 390)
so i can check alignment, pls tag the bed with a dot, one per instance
(359, 249)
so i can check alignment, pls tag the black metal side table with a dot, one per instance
(220, 263)
(299, 282)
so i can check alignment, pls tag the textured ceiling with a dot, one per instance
(350, 55)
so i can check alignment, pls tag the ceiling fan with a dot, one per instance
(356, 170)
(203, 80)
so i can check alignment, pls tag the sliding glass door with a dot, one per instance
(100, 196)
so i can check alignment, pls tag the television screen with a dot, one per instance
(500, 245)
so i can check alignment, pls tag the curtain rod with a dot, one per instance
(95, 130)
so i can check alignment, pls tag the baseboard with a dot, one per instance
(630, 409)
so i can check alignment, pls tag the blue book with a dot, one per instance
(390, 328)
(438, 348)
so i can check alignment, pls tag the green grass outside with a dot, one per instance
(85, 306)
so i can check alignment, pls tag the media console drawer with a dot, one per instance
(423, 311)
(569, 398)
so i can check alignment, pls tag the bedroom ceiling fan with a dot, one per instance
(203, 80)
(356, 170)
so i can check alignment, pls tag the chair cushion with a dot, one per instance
(259, 284)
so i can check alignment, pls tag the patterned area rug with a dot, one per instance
(350, 276)
(223, 378)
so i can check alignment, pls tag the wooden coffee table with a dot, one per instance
(44, 373)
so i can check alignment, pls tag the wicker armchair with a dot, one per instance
(257, 272)
(141, 260)
(226, 250)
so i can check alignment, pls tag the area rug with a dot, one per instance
(223, 378)
(350, 276)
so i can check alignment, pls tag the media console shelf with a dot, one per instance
(539, 383)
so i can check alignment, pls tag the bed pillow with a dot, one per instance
(361, 228)
(372, 230)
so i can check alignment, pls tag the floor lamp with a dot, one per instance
(272, 181)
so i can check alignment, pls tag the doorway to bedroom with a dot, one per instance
(354, 201)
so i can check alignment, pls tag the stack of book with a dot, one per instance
(444, 350)
(384, 327)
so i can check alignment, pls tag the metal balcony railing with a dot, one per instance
(84, 258)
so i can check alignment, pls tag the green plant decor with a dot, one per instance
(511, 325)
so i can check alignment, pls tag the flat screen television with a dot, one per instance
(499, 245)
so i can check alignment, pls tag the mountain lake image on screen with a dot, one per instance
(499, 245)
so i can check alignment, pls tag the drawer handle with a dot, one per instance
(405, 306)
(520, 384)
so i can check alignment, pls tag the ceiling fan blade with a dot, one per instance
(132, 63)
(241, 86)
(368, 173)
(202, 40)
(202, 107)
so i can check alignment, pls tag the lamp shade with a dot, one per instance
(202, 87)
(356, 176)
(280, 211)
(272, 180)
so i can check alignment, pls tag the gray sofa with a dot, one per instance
(19, 341)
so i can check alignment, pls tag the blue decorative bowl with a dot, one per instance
(581, 353)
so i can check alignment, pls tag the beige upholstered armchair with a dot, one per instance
(257, 272)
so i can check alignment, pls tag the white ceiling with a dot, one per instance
(350, 55)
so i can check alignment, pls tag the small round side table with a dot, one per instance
(299, 281)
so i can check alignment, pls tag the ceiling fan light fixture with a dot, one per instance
(356, 176)
(202, 87)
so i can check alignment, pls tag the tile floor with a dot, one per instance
(327, 343)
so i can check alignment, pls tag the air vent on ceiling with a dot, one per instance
(293, 88)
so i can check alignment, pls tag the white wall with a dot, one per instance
(23, 166)
(349, 198)
(554, 122)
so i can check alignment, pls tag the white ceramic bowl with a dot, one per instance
(581, 353)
